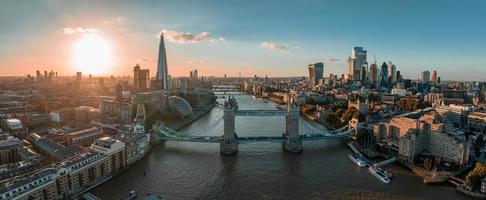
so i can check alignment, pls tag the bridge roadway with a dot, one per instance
(260, 113)
(253, 139)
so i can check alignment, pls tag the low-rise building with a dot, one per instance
(476, 122)
(11, 151)
(84, 137)
(455, 114)
(61, 180)
(120, 109)
(431, 138)
(114, 149)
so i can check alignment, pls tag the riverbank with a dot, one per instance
(312, 118)
(198, 113)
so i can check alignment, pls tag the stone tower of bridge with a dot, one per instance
(292, 142)
(229, 142)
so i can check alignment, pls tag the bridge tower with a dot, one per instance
(292, 142)
(229, 142)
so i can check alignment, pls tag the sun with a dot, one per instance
(92, 55)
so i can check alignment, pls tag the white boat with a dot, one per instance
(379, 173)
(132, 195)
(358, 160)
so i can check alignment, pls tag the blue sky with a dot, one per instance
(278, 38)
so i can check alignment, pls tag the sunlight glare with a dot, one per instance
(92, 55)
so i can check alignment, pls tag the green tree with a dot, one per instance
(474, 177)
(340, 112)
(428, 163)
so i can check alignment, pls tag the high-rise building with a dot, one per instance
(162, 72)
(399, 76)
(195, 74)
(425, 76)
(364, 73)
(141, 78)
(384, 75)
(38, 75)
(434, 77)
(118, 92)
(136, 71)
(79, 75)
(373, 73)
(392, 72)
(316, 73)
(350, 68)
(356, 63)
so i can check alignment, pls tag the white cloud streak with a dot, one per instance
(80, 30)
(185, 38)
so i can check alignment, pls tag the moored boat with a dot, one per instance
(379, 173)
(357, 159)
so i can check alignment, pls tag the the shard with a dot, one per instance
(162, 72)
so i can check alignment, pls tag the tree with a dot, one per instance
(358, 115)
(340, 112)
(355, 96)
(474, 177)
(428, 163)
(348, 115)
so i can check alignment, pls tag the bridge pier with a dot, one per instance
(229, 141)
(292, 143)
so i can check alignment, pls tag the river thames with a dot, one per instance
(177, 170)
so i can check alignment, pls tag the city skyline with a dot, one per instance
(213, 37)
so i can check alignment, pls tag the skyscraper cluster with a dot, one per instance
(193, 74)
(47, 75)
(427, 78)
(357, 64)
(385, 75)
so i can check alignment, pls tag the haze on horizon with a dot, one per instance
(274, 38)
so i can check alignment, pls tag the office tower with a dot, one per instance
(38, 75)
(373, 73)
(350, 72)
(434, 76)
(392, 70)
(162, 72)
(118, 92)
(191, 74)
(195, 73)
(356, 63)
(79, 75)
(102, 83)
(425, 76)
(363, 74)
(399, 76)
(141, 78)
(45, 74)
(136, 71)
(384, 75)
(316, 73)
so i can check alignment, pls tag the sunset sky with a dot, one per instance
(274, 38)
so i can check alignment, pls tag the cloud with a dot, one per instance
(80, 30)
(332, 60)
(146, 60)
(283, 48)
(195, 62)
(274, 46)
(184, 38)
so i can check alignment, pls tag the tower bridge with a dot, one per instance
(296, 130)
